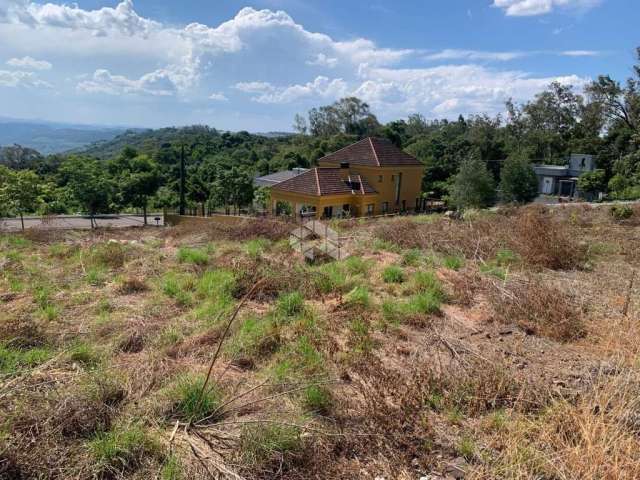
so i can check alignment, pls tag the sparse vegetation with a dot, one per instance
(494, 348)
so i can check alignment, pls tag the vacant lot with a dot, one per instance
(504, 345)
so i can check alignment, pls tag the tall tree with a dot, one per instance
(518, 181)
(138, 179)
(473, 186)
(88, 182)
(23, 193)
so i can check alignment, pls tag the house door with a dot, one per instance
(547, 185)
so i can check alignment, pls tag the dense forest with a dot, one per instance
(141, 169)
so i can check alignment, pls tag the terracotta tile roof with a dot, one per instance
(371, 151)
(325, 181)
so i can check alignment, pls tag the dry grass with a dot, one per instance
(537, 308)
(321, 383)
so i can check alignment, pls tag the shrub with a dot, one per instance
(189, 404)
(330, 278)
(621, 212)
(393, 274)
(542, 242)
(195, 256)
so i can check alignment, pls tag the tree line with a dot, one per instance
(472, 161)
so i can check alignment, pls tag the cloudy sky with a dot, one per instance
(252, 66)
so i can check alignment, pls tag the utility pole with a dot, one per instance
(182, 180)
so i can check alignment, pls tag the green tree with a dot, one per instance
(23, 193)
(137, 179)
(88, 182)
(593, 182)
(518, 181)
(473, 186)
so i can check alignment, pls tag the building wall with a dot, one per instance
(358, 203)
(411, 188)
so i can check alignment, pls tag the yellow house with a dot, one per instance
(369, 177)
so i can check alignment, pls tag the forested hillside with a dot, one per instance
(141, 168)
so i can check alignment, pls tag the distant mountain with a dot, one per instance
(50, 137)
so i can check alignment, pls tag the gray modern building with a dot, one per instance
(562, 180)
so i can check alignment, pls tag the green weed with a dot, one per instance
(194, 256)
(393, 274)
(189, 404)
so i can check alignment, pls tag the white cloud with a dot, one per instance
(264, 54)
(29, 63)
(581, 53)
(474, 55)
(451, 89)
(321, 87)
(218, 97)
(321, 60)
(122, 18)
(21, 79)
(522, 8)
(156, 83)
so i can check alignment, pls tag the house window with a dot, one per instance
(328, 212)
(404, 205)
(380, 178)
(370, 209)
(385, 207)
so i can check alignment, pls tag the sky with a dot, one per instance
(252, 66)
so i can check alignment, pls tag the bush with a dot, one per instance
(540, 241)
(189, 405)
(393, 274)
(621, 212)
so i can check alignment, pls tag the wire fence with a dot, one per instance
(71, 222)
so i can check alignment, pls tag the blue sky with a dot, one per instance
(252, 66)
